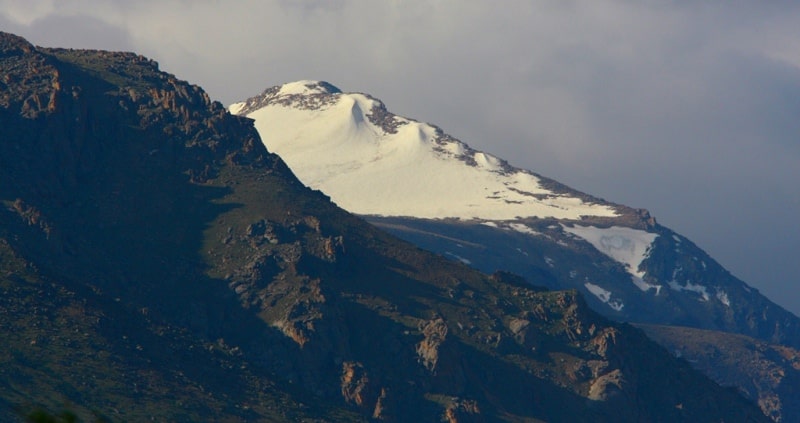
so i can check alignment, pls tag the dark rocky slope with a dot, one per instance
(156, 262)
(693, 289)
(767, 373)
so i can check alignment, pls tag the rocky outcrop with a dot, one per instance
(434, 333)
(358, 389)
(463, 411)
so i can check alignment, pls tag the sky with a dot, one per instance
(690, 109)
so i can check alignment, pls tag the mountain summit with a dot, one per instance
(373, 162)
(157, 263)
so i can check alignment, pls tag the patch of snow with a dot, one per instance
(487, 161)
(525, 253)
(624, 245)
(722, 296)
(699, 289)
(646, 286)
(604, 295)
(235, 108)
(457, 257)
(550, 262)
(599, 292)
(455, 148)
(519, 227)
(573, 274)
(405, 170)
(303, 88)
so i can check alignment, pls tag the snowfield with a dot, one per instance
(627, 246)
(372, 162)
(604, 296)
(337, 143)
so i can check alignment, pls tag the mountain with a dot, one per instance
(415, 181)
(422, 184)
(158, 263)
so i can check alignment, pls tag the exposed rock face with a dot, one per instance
(435, 333)
(157, 263)
(606, 385)
(460, 411)
(356, 386)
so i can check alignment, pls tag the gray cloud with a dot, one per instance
(686, 108)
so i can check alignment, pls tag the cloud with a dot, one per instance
(686, 108)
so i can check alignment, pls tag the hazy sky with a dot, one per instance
(690, 109)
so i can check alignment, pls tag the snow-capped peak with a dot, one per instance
(300, 92)
(373, 162)
(307, 87)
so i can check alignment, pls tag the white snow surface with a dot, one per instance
(236, 108)
(604, 295)
(522, 228)
(627, 246)
(697, 288)
(722, 296)
(459, 258)
(416, 171)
